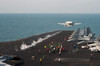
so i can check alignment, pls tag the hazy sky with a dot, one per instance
(49, 6)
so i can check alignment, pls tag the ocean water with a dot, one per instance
(17, 26)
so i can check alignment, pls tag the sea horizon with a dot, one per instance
(15, 26)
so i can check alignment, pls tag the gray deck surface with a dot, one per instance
(72, 60)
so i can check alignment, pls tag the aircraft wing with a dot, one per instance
(61, 23)
(82, 42)
(90, 45)
(93, 48)
(98, 47)
(77, 23)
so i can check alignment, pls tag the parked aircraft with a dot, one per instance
(95, 46)
(82, 35)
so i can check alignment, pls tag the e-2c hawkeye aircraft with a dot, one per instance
(68, 24)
